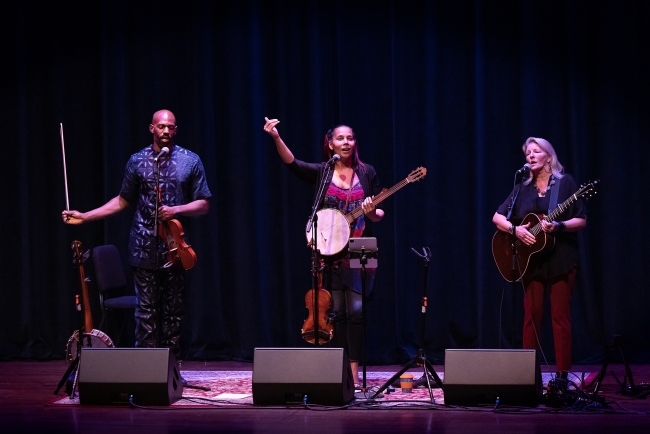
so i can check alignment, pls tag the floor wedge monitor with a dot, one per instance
(475, 377)
(291, 375)
(148, 376)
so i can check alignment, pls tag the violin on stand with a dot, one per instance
(86, 335)
(316, 328)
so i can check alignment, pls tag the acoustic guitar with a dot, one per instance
(527, 256)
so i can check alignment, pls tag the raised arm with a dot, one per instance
(285, 153)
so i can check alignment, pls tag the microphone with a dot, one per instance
(334, 159)
(523, 169)
(162, 152)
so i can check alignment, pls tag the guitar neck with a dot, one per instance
(85, 301)
(385, 194)
(555, 213)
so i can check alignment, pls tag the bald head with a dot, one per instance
(165, 116)
(163, 127)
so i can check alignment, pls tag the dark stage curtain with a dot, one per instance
(453, 86)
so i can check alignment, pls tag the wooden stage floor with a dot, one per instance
(26, 388)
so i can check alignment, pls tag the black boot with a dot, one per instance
(561, 381)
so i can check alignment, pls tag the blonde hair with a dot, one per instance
(556, 166)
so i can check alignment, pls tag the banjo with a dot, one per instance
(90, 337)
(334, 226)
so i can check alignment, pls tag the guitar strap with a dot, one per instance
(552, 204)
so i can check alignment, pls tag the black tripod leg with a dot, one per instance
(72, 366)
(433, 373)
(383, 387)
(603, 370)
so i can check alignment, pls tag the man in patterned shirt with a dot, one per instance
(184, 190)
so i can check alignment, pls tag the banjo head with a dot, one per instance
(98, 339)
(333, 231)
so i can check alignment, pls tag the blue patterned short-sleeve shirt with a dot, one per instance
(182, 180)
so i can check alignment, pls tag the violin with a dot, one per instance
(325, 328)
(179, 253)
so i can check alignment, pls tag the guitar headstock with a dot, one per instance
(588, 189)
(78, 256)
(417, 174)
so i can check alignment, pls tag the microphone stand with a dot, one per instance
(429, 372)
(359, 259)
(159, 324)
(315, 259)
(156, 223)
(514, 264)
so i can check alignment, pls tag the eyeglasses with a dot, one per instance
(162, 127)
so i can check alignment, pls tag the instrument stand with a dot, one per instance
(429, 376)
(74, 365)
(363, 254)
(628, 388)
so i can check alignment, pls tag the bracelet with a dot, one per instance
(512, 229)
(562, 227)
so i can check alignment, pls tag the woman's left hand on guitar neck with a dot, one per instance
(571, 225)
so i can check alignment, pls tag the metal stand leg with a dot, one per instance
(429, 374)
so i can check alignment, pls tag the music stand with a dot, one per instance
(363, 254)
(420, 358)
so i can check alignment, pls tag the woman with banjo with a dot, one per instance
(350, 184)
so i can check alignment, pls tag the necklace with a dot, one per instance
(551, 181)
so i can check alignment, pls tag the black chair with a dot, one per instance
(112, 284)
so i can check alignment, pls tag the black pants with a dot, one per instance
(160, 308)
(346, 314)
(346, 310)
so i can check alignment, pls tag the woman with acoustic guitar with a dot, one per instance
(350, 185)
(554, 268)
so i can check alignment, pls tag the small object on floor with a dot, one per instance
(406, 383)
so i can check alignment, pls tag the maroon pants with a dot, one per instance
(560, 294)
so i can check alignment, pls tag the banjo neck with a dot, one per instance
(416, 175)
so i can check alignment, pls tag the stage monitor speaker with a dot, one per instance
(475, 377)
(287, 375)
(114, 375)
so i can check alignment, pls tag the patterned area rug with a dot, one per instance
(234, 389)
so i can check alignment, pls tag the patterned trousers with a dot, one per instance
(160, 308)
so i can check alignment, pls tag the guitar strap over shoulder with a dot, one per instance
(555, 188)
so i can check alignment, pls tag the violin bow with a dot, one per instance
(65, 172)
